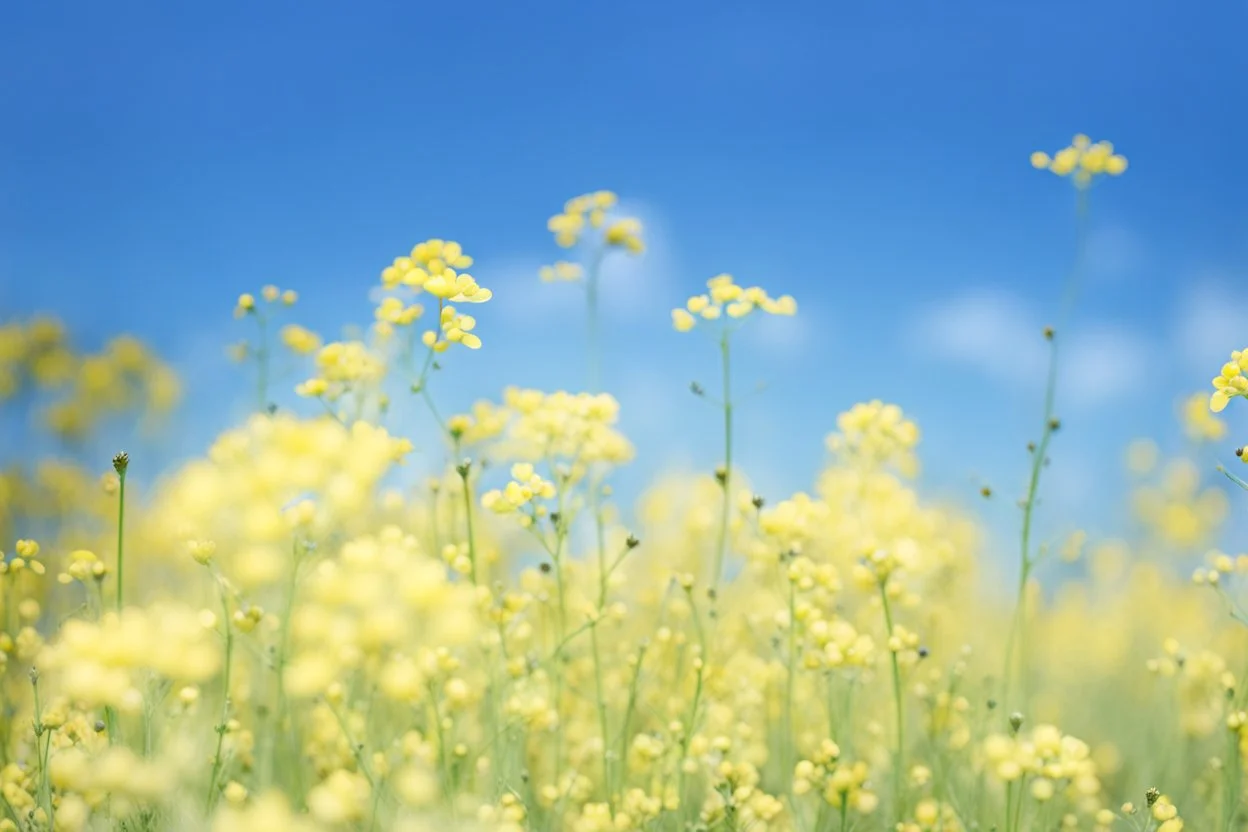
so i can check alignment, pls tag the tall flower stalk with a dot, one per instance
(727, 304)
(1083, 162)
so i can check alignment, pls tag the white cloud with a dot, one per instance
(1099, 363)
(782, 335)
(1209, 326)
(990, 331)
(1000, 336)
(520, 297)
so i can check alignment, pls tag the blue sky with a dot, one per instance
(871, 159)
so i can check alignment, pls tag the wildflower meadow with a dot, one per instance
(283, 633)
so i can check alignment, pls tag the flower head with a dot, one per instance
(726, 297)
(1083, 160)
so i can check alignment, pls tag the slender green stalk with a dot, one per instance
(262, 363)
(43, 747)
(121, 462)
(602, 714)
(593, 635)
(1016, 642)
(217, 761)
(691, 722)
(286, 733)
(899, 763)
(594, 356)
(721, 547)
(465, 469)
(629, 709)
(790, 741)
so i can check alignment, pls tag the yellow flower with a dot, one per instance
(725, 296)
(300, 340)
(1230, 382)
(1082, 160)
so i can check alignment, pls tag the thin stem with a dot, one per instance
(602, 716)
(898, 757)
(225, 701)
(262, 364)
(726, 482)
(464, 471)
(121, 533)
(591, 320)
(45, 784)
(691, 723)
(790, 742)
(1016, 641)
(622, 769)
(289, 734)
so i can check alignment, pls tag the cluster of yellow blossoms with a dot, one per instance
(591, 211)
(727, 297)
(433, 267)
(84, 388)
(1083, 160)
(1231, 382)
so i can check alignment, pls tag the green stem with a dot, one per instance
(602, 716)
(722, 543)
(43, 735)
(121, 532)
(262, 364)
(287, 734)
(225, 702)
(691, 722)
(790, 741)
(1016, 641)
(591, 320)
(622, 769)
(464, 472)
(899, 756)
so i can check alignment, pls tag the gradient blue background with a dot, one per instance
(156, 159)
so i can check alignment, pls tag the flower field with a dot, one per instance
(288, 633)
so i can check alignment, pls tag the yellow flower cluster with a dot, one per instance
(1051, 763)
(105, 662)
(384, 609)
(877, 433)
(561, 271)
(1083, 160)
(1178, 509)
(591, 210)
(435, 268)
(86, 387)
(524, 491)
(343, 366)
(269, 478)
(1231, 382)
(578, 428)
(839, 783)
(246, 303)
(300, 340)
(725, 297)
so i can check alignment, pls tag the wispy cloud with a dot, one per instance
(1208, 325)
(999, 335)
